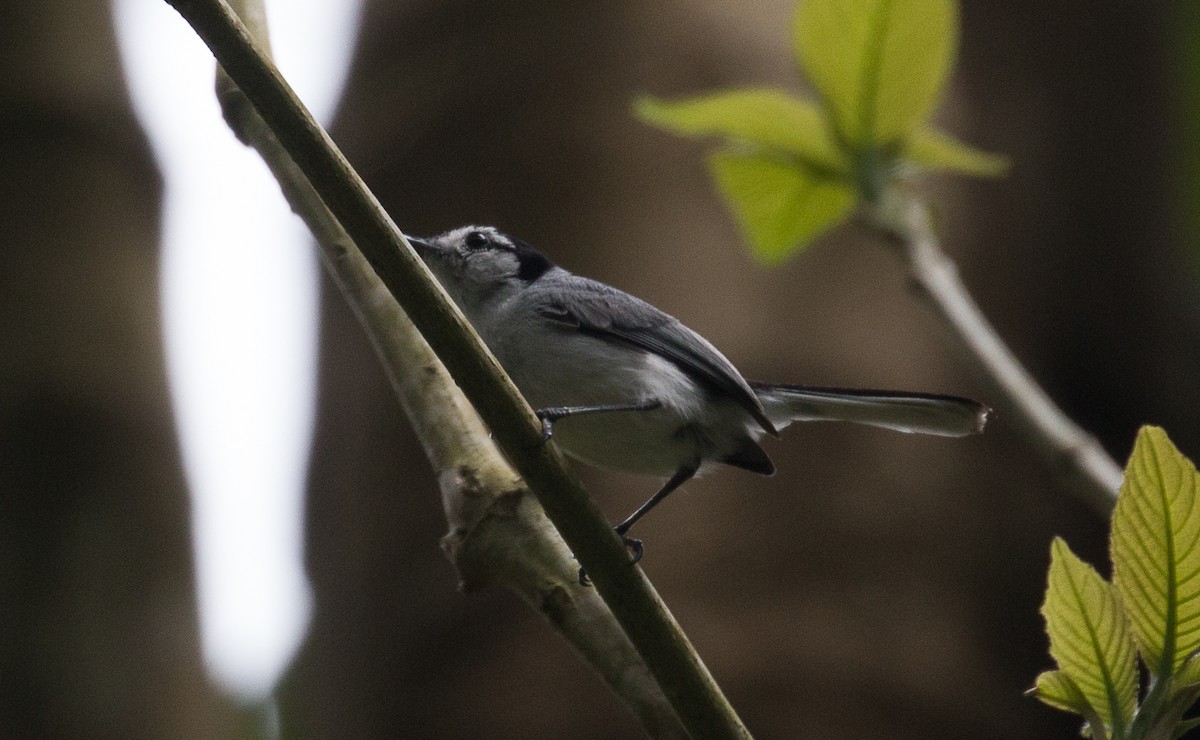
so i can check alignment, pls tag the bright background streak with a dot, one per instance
(239, 295)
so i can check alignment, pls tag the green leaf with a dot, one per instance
(1185, 727)
(879, 64)
(1189, 674)
(1089, 636)
(934, 150)
(1059, 691)
(1156, 551)
(765, 118)
(782, 208)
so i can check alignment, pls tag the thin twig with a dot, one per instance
(678, 670)
(1072, 452)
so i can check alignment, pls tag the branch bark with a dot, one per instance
(1072, 452)
(497, 532)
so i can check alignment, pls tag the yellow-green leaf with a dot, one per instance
(762, 117)
(1059, 691)
(879, 64)
(1189, 674)
(781, 207)
(934, 150)
(1089, 636)
(1156, 551)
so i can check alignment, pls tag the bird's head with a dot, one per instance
(478, 261)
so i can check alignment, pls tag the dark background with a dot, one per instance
(879, 586)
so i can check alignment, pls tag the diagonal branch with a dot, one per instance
(1072, 452)
(345, 217)
(498, 534)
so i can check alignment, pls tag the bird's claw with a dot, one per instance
(635, 548)
(548, 417)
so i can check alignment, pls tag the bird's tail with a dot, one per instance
(919, 413)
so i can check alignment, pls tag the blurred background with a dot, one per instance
(878, 586)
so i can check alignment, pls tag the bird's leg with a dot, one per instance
(683, 475)
(553, 413)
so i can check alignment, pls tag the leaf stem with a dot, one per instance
(685, 681)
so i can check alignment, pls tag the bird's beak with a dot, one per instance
(422, 247)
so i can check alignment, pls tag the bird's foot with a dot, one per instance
(635, 548)
(548, 416)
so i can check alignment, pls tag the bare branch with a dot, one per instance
(1072, 452)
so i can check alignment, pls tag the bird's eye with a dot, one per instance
(477, 240)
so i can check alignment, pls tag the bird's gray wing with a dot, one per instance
(601, 310)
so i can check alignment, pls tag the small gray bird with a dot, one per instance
(650, 395)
